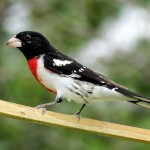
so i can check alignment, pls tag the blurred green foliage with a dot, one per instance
(69, 24)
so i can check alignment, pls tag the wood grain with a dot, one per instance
(49, 118)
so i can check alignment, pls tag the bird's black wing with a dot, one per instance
(75, 70)
(82, 73)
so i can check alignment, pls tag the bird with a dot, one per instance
(66, 77)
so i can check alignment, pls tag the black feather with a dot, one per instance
(87, 75)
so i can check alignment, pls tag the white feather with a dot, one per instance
(61, 62)
(74, 75)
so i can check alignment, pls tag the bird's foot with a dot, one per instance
(78, 116)
(42, 108)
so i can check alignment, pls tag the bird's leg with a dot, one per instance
(77, 114)
(42, 106)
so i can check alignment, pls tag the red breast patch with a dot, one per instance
(33, 64)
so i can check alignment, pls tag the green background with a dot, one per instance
(70, 26)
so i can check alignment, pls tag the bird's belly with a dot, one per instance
(62, 85)
(101, 93)
(83, 92)
(78, 91)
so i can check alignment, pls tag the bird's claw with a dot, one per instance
(78, 116)
(42, 108)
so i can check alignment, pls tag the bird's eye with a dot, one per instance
(27, 37)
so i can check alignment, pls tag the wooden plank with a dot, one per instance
(49, 118)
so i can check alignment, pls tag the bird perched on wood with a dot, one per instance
(66, 77)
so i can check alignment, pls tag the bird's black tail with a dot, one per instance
(137, 98)
(142, 101)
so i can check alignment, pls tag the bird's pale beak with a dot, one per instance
(14, 42)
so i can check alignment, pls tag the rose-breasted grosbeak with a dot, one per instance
(66, 77)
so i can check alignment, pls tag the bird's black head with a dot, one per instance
(31, 44)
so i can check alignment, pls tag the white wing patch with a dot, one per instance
(61, 62)
(73, 75)
(81, 70)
